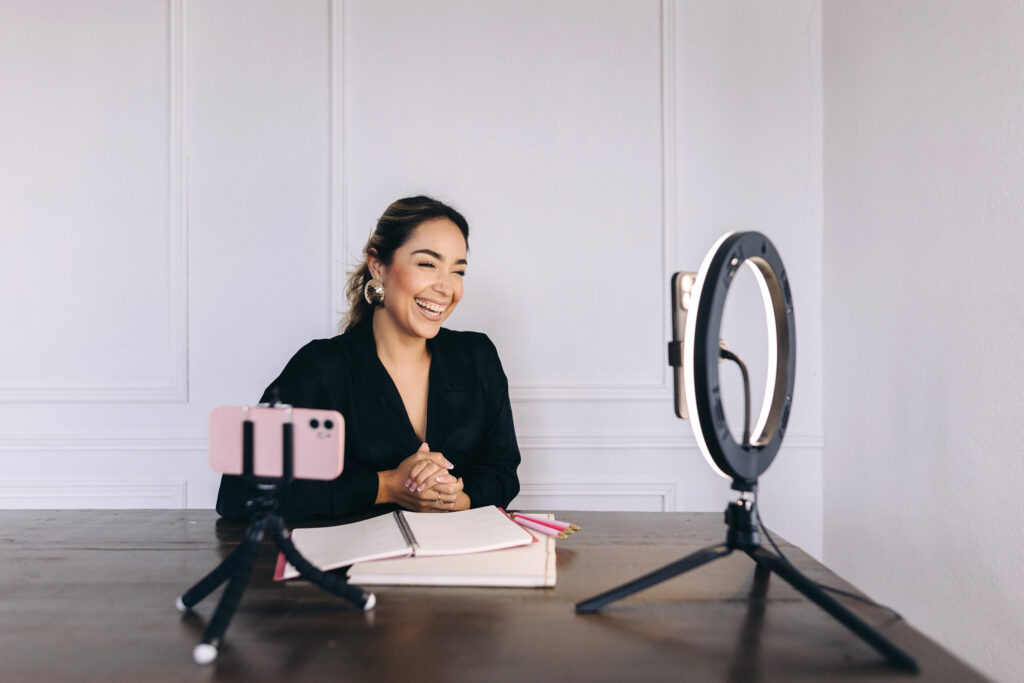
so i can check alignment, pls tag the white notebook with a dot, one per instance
(404, 534)
(529, 566)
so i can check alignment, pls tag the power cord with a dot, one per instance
(725, 354)
(822, 586)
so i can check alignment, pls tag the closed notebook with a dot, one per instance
(404, 534)
(530, 566)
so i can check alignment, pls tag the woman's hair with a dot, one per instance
(394, 228)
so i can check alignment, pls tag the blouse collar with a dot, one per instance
(371, 376)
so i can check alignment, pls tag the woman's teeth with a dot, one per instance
(430, 306)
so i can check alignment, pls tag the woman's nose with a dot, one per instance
(445, 285)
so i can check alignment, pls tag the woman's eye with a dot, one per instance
(461, 273)
(427, 264)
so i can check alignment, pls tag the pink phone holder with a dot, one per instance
(277, 442)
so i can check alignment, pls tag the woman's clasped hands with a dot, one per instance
(422, 483)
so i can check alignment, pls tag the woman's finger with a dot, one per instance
(452, 488)
(418, 463)
(426, 477)
(439, 459)
(416, 469)
(440, 501)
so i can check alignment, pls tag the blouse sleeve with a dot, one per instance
(491, 479)
(306, 382)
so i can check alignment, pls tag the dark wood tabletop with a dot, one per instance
(89, 595)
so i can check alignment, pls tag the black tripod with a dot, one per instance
(741, 517)
(237, 567)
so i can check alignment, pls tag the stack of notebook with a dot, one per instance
(479, 547)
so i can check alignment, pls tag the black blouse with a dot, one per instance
(469, 421)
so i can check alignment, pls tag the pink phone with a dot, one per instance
(318, 438)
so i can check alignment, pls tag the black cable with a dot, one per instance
(726, 354)
(822, 586)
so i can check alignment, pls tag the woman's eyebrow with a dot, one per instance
(431, 252)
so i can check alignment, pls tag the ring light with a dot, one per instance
(698, 300)
(701, 300)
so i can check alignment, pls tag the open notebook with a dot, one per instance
(528, 566)
(404, 534)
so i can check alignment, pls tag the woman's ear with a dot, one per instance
(375, 265)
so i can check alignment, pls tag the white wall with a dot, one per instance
(924, 165)
(191, 180)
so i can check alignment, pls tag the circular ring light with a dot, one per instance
(741, 462)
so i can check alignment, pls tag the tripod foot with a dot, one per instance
(896, 657)
(204, 653)
(180, 604)
(371, 602)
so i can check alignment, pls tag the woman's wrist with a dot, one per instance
(384, 487)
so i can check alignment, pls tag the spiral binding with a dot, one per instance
(403, 526)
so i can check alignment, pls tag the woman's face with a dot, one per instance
(423, 284)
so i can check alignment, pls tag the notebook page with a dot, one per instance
(466, 531)
(331, 547)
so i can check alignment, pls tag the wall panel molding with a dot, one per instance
(69, 494)
(662, 390)
(577, 493)
(100, 443)
(636, 440)
(338, 168)
(178, 223)
(582, 393)
(177, 254)
(579, 392)
(669, 187)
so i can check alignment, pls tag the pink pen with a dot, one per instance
(538, 527)
(554, 523)
(546, 522)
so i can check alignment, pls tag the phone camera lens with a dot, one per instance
(328, 424)
(314, 423)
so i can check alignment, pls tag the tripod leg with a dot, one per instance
(329, 582)
(691, 561)
(210, 582)
(206, 651)
(896, 656)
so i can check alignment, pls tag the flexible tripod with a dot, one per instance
(237, 567)
(741, 518)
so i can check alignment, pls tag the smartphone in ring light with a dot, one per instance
(682, 298)
(318, 438)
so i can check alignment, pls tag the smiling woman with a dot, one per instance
(428, 423)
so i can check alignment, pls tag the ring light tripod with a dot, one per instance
(698, 300)
(237, 567)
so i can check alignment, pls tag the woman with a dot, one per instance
(428, 424)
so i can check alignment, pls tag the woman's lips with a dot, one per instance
(429, 309)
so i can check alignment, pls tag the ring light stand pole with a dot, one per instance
(698, 302)
(237, 567)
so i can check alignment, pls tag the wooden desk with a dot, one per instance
(89, 595)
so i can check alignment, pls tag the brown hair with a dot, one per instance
(394, 228)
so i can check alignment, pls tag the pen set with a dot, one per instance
(551, 527)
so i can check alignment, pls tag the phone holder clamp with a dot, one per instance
(236, 568)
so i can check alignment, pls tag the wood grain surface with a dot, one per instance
(89, 595)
